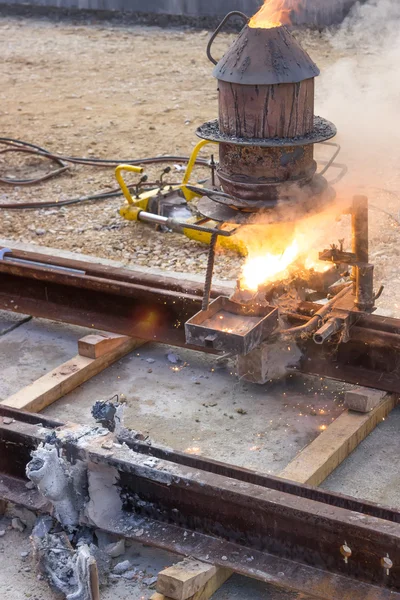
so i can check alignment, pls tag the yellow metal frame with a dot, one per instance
(131, 211)
(189, 195)
(118, 175)
(143, 199)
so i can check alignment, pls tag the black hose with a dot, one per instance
(59, 204)
(15, 145)
(96, 162)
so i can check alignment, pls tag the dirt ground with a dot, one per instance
(100, 90)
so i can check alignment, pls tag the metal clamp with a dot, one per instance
(121, 181)
(187, 192)
(220, 26)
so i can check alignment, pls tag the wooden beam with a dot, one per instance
(363, 399)
(190, 580)
(208, 590)
(183, 580)
(318, 460)
(99, 344)
(62, 380)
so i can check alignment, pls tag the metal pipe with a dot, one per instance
(327, 330)
(179, 226)
(365, 297)
(316, 320)
(31, 263)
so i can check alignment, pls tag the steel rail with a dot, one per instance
(156, 307)
(122, 301)
(158, 281)
(226, 470)
(253, 529)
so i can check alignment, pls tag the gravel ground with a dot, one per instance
(101, 90)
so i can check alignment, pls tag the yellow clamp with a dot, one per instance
(189, 195)
(121, 181)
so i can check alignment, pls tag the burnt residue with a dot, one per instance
(105, 413)
(265, 57)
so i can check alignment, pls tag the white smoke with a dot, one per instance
(360, 92)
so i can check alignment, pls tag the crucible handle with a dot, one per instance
(220, 26)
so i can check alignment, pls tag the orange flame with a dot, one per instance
(269, 267)
(274, 13)
(276, 252)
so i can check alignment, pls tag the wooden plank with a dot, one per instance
(318, 460)
(207, 591)
(213, 584)
(94, 579)
(99, 344)
(183, 580)
(62, 380)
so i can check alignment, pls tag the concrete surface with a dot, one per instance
(167, 404)
(195, 405)
(30, 350)
(10, 321)
(372, 472)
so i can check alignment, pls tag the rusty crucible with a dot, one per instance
(266, 128)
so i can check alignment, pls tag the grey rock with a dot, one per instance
(129, 575)
(121, 567)
(173, 358)
(17, 524)
(116, 549)
(27, 517)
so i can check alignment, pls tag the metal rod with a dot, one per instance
(363, 272)
(359, 230)
(21, 261)
(359, 221)
(210, 271)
